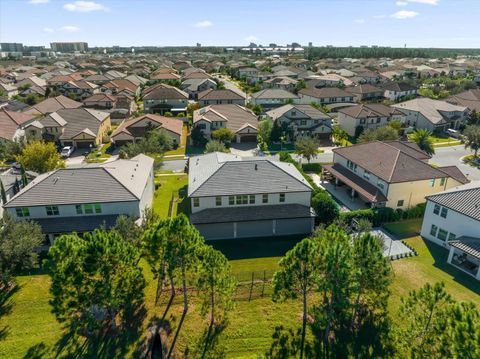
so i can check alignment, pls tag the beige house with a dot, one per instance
(390, 174)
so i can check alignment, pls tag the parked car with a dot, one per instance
(454, 133)
(66, 151)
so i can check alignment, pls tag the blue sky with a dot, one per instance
(417, 23)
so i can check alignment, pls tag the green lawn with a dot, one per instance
(168, 185)
(406, 228)
(100, 155)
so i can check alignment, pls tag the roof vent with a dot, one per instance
(256, 167)
(56, 180)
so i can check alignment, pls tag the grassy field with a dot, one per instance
(404, 229)
(30, 330)
(168, 185)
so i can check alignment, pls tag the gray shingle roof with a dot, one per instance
(468, 245)
(462, 199)
(218, 174)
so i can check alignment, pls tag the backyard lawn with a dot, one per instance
(168, 185)
(406, 228)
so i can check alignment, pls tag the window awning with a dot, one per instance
(467, 245)
(363, 187)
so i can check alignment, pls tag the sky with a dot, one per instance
(396, 23)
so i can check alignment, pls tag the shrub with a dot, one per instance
(326, 208)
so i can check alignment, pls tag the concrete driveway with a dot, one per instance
(244, 149)
(76, 158)
(451, 156)
(173, 165)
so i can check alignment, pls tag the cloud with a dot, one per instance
(404, 14)
(48, 29)
(251, 38)
(70, 28)
(360, 21)
(37, 2)
(401, 3)
(85, 6)
(426, 2)
(203, 24)
(382, 16)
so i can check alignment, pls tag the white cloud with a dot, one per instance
(382, 16)
(203, 24)
(360, 21)
(48, 29)
(70, 28)
(37, 2)
(251, 38)
(401, 3)
(85, 6)
(404, 14)
(426, 2)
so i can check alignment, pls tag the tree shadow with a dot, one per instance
(6, 306)
(37, 351)
(286, 343)
(208, 345)
(440, 256)
(183, 204)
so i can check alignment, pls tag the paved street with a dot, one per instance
(231, 85)
(449, 156)
(173, 165)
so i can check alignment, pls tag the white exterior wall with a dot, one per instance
(148, 193)
(455, 222)
(305, 99)
(177, 103)
(302, 198)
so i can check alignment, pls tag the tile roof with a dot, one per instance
(171, 124)
(274, 94)
(308, 110)
(470, 99)
(325, 92)
(398, 86)
(370, 110)
(162, 92)
(225, 94)
(235, 116)
(53, 104)
(430, 109)
(10, 122)
(463, 199)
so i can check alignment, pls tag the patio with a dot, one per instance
(465, 255)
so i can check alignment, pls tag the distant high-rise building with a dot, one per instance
(310, 44)
(33, 48)
(252, 44)
(296, 44)
(199, 44)
(11, 47)
(272, 45)
(69, 46)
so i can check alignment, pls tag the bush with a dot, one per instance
(360, 214)
(326, 208)
(312, 167)
(285, 157)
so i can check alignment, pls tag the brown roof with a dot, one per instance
(455, 173)
(363, 89)
(197, 75)
(100, 97)
(226, 94)
(122, 84)
(470, 99)
(325, 92)
(10, 122)
(165, 76)
(163, 91)
(236, 117)
(390, 162)
(370, 110)
(171, 124)
(53, 104)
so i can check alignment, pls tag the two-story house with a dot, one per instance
(302, 120)
(161, 98)
(240, 120)
(83, 199)
(195, 86)
(395, 91)
(326, 95)
(52, 104)
(354, 119)
(220, 97)
(272, 98)
(365, 92)
(391, 174)
(452, 220)
(235, 197)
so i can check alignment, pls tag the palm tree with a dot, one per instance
(423, 138)
(472, 138)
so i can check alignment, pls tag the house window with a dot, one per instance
(433, 230)
(378, 120)
(452, 236)
(281, 197)
(245, 199)
(432, 182)
(238, 199)
(442, 181)
(303, 122)
(252, 199)
(294, 113)
(366, 175)
(231, 200)
(400, 203)
(78, 208)
(442, 234)
(436, 209)
(444, 212)
(218, 201)
(88, 208)
(22, 212)
(98, 208)
(265, 198)
(196, 202)
(362, 121)
(380, 185)
(52, 210)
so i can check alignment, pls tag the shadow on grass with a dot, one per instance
(256, 247)
(209, 345)
(440, 255)
(37, 351)
(6, 306)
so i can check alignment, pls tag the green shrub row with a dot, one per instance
(378, 216)
(285, 157)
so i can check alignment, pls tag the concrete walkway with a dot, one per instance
(391, 246)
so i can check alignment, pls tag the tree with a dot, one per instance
(23, 173)
(325, 207)
(96, 281)
(3, 193)
(215, 146)
(423, 138)
(472, 138)
(384, 133)
(339, 134)
(223, 135)
(216, 284)
(19, 241)
(154, 142)
(307, 147)
(265, 128)
(197, 136)
(297, 277)
(40, 157)
(397, 125)
(128, 230)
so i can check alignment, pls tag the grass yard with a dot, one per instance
(406, 228)
(100, 155)
(168, 185)
(179, 152)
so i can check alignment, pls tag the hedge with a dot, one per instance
(378, 216)
(285, 157)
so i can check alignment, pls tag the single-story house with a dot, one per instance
(271, 98)
(220, 97)
(325, 95)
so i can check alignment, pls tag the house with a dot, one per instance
(328, 80)
(97, 79)
(9, 90)
(79, 89)
(134, 129)
(271, 98)
(452, 220)
(194, 86)
(83, 199)
(32, 81)
(326, 95)
(12, 183)
(395, 91)
(433, 115)
(11, 125)
(365, 92)
(100, 101)
(355, 119)
(240, 120)
(121, 85)
(35, 90)
(391, 174)
(119, 106)
(234, 197)
(52, 104)
(469, 99)
(302, 120)
(283, 83)
(220, 97)
(247, 72)
(367, 77)
(78, 127)
(161, 98)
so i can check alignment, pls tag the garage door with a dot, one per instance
(216, 231)
(249, 138)
(84, 144)
(254, 229)
(293, 226)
